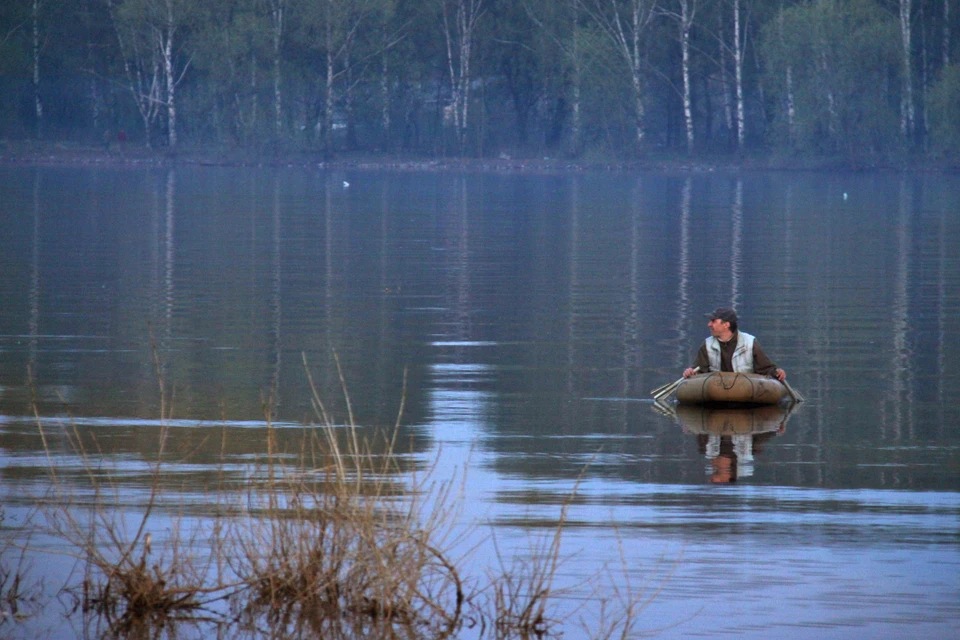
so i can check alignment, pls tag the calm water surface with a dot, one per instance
(530, 315)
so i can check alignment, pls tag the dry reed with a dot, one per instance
(337, 539)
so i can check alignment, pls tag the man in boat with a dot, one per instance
(729, 349)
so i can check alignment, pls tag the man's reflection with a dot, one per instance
(730, 438)
(731, 457)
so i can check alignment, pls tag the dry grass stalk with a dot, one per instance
(524, 588)
(324, 542)
(331, 538)
(19, 598)
(124, 580)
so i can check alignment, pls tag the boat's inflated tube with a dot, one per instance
(724, 386)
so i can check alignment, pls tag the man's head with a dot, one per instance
(723, 323)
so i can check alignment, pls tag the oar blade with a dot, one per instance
(794, 394)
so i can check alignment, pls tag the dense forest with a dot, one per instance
(857, 81)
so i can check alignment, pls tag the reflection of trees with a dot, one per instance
(574, 286)
(683, 264)
(942, 275)
(736, 244)
(276, 298)
(901, 390)
(169, 257)
(33, 325)
(632, 355)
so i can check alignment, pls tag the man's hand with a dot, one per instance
(690, 372)
(780, 375)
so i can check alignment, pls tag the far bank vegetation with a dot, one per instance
(858, 82)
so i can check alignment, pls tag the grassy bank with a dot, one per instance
(29, 153)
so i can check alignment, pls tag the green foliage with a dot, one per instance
(943, 108)
(545, 78)
(231, 46)
(843, 59)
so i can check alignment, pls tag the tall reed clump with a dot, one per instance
(129, 580)
(343, 537)
(19, 596)
(329, 544)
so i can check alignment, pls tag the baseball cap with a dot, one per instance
(724, 313)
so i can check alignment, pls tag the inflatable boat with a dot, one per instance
(726, 387)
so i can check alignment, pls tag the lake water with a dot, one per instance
(530, 316)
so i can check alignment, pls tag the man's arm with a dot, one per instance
(702, 361)
(764, 366)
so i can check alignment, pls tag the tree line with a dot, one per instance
(859, 80)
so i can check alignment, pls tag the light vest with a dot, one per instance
(742, 360)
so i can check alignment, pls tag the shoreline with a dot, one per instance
(120, 155)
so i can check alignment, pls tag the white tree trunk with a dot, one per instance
(624, 32)
(466, 51)
(166, 46)
(791, 107)
(142, 73)
(724, 77)
(329, 85)
(833, 124)
(738, 69)
(907, 114)
(385, 95)
(639, 111)
(633, 53)
(686, 22)
(459, 40)
(255, 101)
(37, 102)
(788, 81)
(946, 32)
(576, 127)
(277, 9)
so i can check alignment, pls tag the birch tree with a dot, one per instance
(156, 25)
(576, 66)
(683, 12)
(141, 68)
(385, 102)
(335, 29)
(724, 77)
(738, 46)
(907, 109)
(278, 9)
(623, 23)
(791, 108)
(165, 33)
(946, 33)
(460, 20)
(35, 50)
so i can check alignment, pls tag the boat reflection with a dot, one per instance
(730, 437)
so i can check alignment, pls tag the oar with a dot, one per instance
(664, 391)
(662, 387)
(795, 395)
(664, 409)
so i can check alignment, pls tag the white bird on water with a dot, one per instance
(345, 184)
